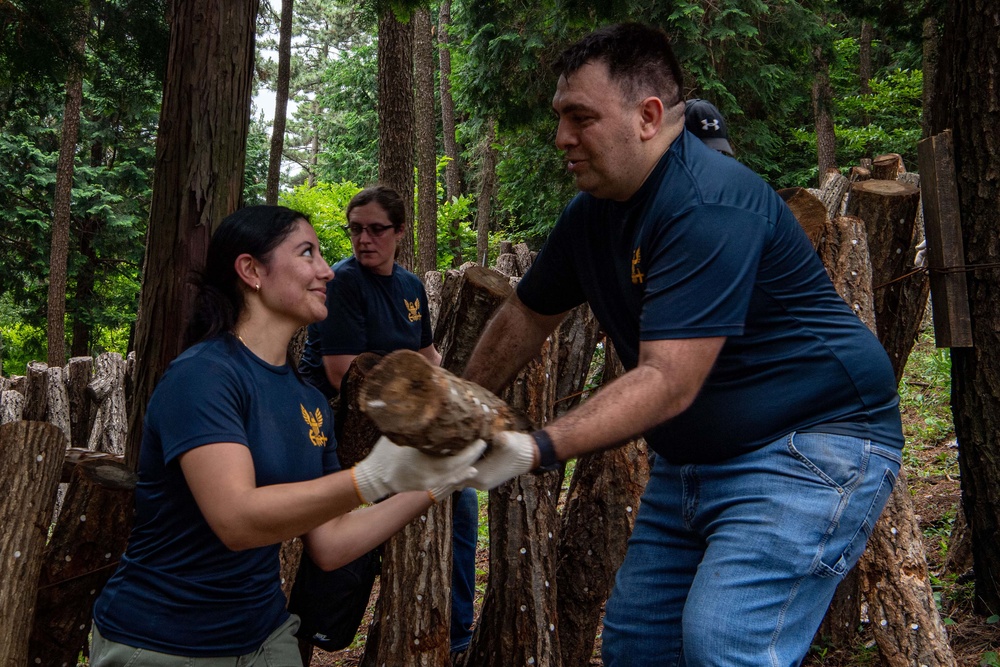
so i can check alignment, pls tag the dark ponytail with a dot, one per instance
(255, 230)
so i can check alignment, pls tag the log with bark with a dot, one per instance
(419, 405)
(107, 390)
(36, 391)
(87, 541)
(469, 300)
(888, 167)
(844, 252)
(600, 510)
(808, 210)
(31, 457)
(57, 409)
(11, 406)
(79, 372)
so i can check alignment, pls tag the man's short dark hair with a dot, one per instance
(639, 59)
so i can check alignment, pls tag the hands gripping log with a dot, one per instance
(425, 407)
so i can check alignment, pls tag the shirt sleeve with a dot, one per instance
(701, 273)
(343, 330)
(551, 285)
(197, 404)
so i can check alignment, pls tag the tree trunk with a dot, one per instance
(904, 618)
(59, 250)
(822, 98)
(395, 116)
(94, 523)
(452, 170)
(107, 391)
(31, 457)
(844, 252)
(280, 104)
(426, 131)
(578, 335)
(888, 167)
(969, 103)
(518, 623)
(600, 510)
(198, 179)
(929, 66)
(487, 189)
(889, 209)
(865, 60)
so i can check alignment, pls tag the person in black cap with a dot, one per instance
(703, 120)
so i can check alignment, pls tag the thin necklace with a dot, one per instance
(241, 340)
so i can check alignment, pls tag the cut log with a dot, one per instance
(506, 247)
(11, 406)
(107, 390)
(519, 623)
(433, 285)
(889, 210)
(833, 194)
(57, 402)
(469, 303)
(356, 432)
(578, 335)
(507, 265)
(524, 257)
(808, 210)
(858, 174)
(79, 372)
(31, 457)
(600, 510)
(419, 405)
(888, 167)
(895, 582)
(844, 252)
(86, 544)
(36, 391)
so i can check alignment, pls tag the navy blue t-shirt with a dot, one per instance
(179, 589)
(705, 248)
(366, 312)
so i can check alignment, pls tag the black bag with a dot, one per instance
(333, 604)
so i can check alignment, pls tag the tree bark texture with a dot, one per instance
(280, 103)
(597, 521)
(416, 404)
(356, 432)
(468, 301)
(904, 618)
(888, 167)
(578, 335)
(198, 178)
(81, 409)
(426, 133)
(31, 457)
(413, 612)
(107, 391)
(889, 209)
(808, 209)
(93, 527)
(969, 103)
(11, 406)
(844, 252)
(518, 623)
(36, 391)
(63, 198)
(433, 285)
(395, 116)
(452, 171)
(865, 58)
(929, 67)
(822, 98)
(487, 190)
(833, 195)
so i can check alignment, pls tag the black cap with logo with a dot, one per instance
(704, 121)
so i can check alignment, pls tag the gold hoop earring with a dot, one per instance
(256, 287)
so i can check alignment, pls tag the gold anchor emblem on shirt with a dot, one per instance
(315, 423)
(637, 275)
(414, 309)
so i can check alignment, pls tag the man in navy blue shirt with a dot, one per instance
(772, 407)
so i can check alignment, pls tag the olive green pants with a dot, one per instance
(280, 649)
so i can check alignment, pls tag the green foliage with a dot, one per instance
(325, 204)
(20, 342)
(990, 659)
(258, 152)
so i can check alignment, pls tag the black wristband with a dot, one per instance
(546, 452)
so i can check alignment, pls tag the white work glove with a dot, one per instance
(511, 454)
(390, 468)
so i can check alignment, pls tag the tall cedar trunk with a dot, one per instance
(59, 248)
(487, 188)
(426, 125)
(452, 177)
(280, 103)
(929, 66)
(198, 180)
(822, 98)
(395, 116)
(600, 510)
(969, 103)
(31, 456)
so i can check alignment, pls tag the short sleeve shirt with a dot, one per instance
(705, 248)
(179, 589)
(367, 312)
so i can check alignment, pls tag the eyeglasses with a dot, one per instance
(375, 231)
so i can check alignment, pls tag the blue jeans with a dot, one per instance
(735, 563)
(465, 529)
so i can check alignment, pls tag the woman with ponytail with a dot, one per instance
(237, 456)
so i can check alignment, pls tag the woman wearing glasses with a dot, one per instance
(376, 305)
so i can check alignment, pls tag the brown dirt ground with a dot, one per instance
(936, 497)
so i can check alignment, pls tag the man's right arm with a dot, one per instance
(513, 336)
